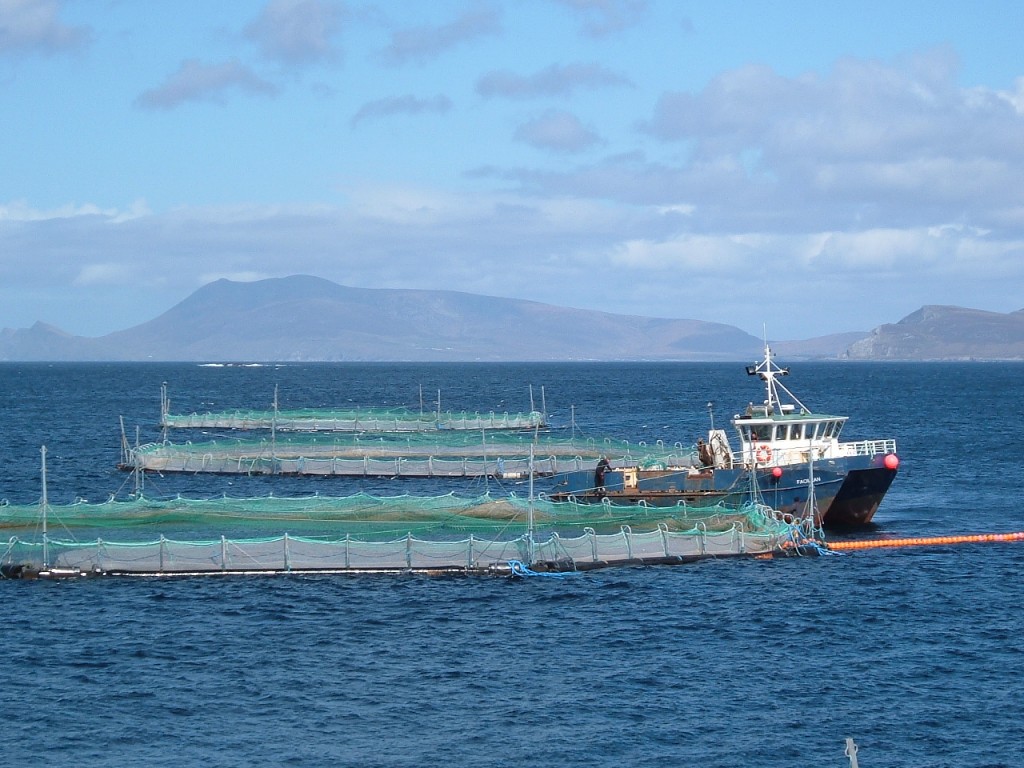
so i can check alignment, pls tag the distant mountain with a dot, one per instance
(302, 318)
(945, 333)
(821, 347)
(46, 342)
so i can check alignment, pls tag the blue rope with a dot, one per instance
(519, 568)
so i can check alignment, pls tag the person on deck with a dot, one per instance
(704, 455)
(599, 472)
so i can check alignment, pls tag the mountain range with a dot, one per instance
(304, 318)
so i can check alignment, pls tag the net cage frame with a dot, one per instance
(567, 544)
(354, 420)
(441, 455)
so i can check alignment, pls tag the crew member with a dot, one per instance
(602, 469)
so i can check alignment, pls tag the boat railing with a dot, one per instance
(867, 447)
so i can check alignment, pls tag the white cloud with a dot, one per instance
(21, 211)
(603, 17)
(401, 105)
(297, 32)
(109, 273)
(200, 81)
(555, 80)
(557, 131)
(423, 43)
(34, 26)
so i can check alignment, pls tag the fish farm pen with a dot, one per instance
(374, 419)
(365, 534)
(368, 420)
(451, 454)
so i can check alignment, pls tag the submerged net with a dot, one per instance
(363, 532)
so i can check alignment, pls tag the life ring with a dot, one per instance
(764, 454)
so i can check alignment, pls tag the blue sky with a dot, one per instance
(798, 167)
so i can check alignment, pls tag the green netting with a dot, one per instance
(295, 553)
(380, 517)
(411, 455)
(370, 533)
(353, 420)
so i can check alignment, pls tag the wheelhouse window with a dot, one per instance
(796, 431)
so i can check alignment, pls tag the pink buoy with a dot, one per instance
(777, 472)
(891, 461)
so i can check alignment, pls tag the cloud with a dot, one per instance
(863, 112)
(198, 81)
(297, 32)
(603, 17)
(555, 80)
(107, 273)
(20, 211)
(419, 44)
(870, 145)
(33, 26)
(402, 105)
(557, 131)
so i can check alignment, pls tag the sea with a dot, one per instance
(915, 653)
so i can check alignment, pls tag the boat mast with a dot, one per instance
(769, 372)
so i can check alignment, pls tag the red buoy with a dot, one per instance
(891, 461)
(777, 472)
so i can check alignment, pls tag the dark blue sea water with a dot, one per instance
(916, 653)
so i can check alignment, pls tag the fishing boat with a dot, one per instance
(785, 454)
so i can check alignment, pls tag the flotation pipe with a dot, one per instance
(927, 541)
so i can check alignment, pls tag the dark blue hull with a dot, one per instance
(859, 496)
(853, 483)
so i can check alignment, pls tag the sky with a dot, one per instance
(793, 169)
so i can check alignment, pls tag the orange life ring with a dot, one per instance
(764, 454)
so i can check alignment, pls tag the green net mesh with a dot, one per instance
(447, 454)
(354, 420)
(364, 532)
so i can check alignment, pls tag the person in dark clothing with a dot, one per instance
(602, 469)
(704, 453)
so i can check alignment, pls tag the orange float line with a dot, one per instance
(928, 541)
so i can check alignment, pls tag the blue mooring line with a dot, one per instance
(519, 568)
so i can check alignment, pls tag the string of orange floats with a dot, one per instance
(927, 541)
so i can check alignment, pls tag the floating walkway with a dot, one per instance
(366, 534)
